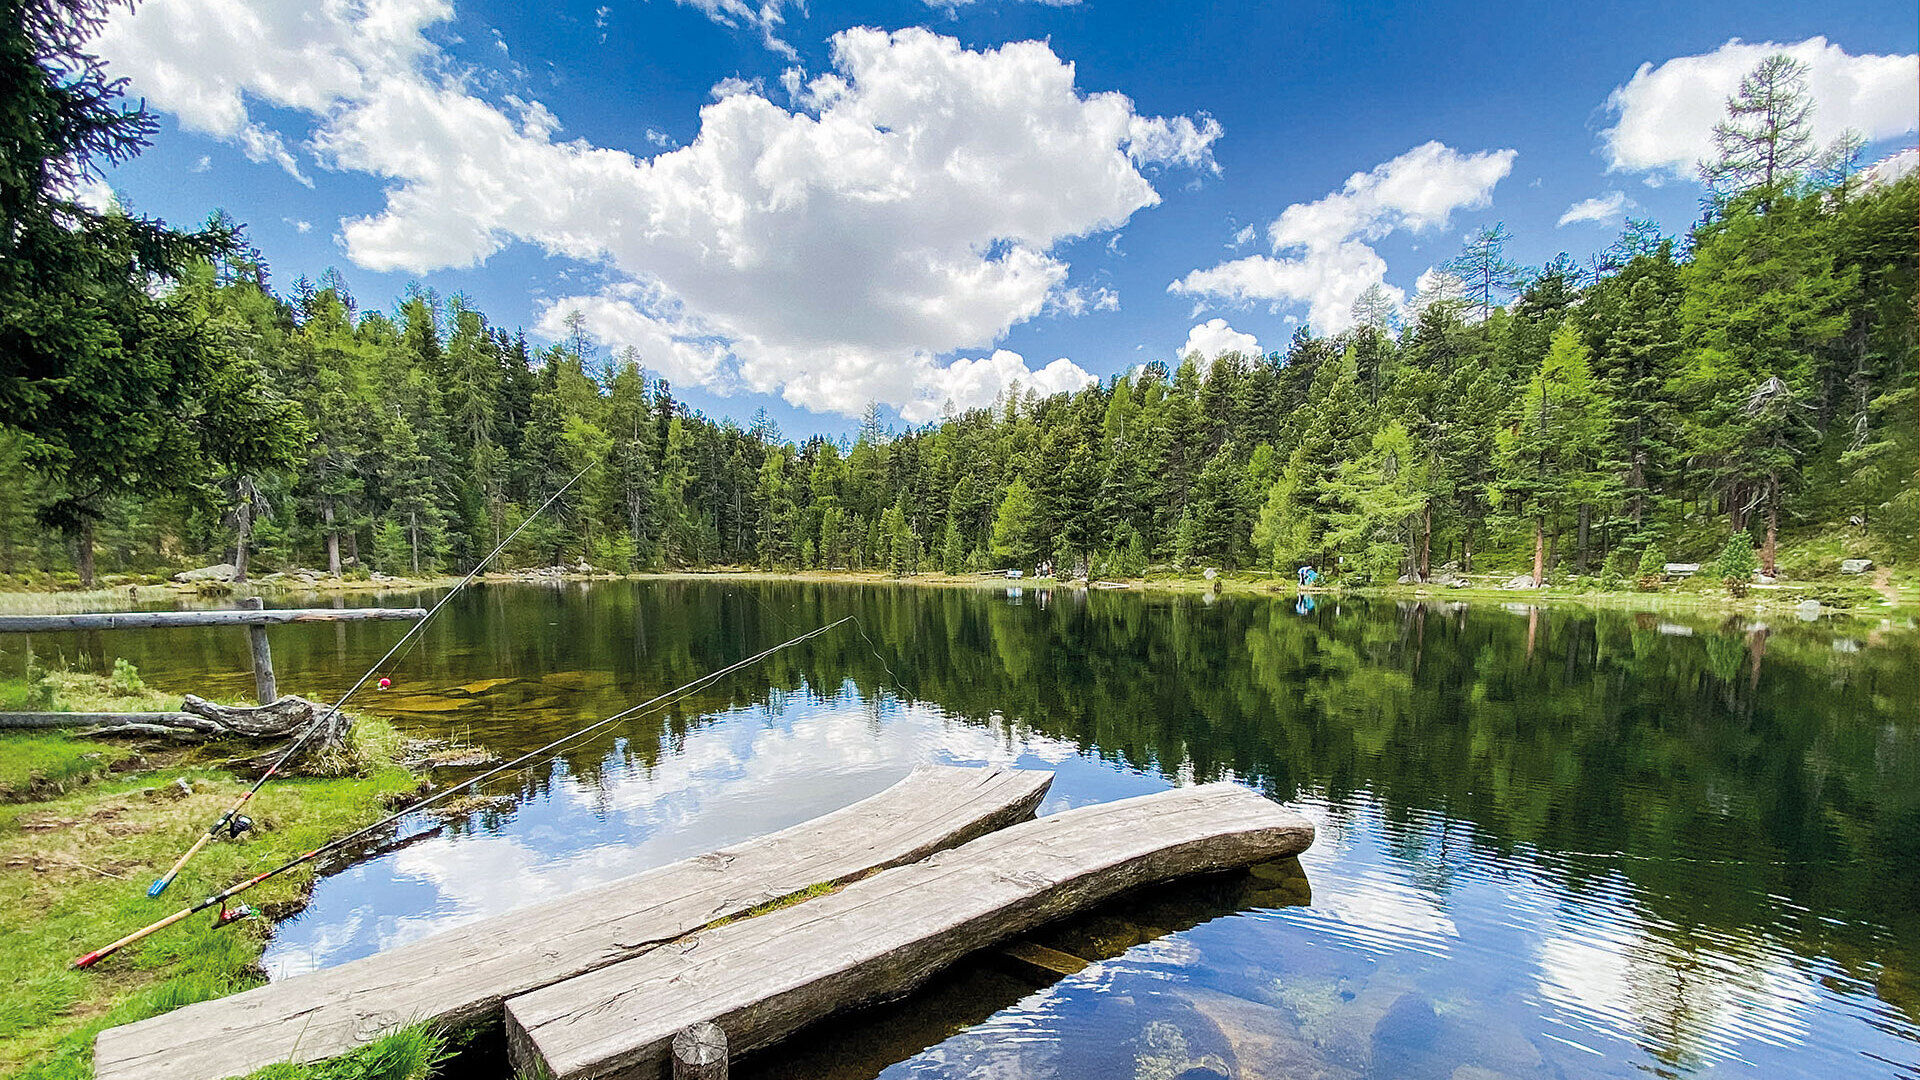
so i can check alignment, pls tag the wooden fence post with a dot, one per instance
(264, 689)
(700, 1052)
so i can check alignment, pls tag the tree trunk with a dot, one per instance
(1426, 541)
(413, 539)
(1580, 546)
(1466, 550)
(353, 546)
(333, 538)
(1539, 551)
(243, 530)
(1773, 523)
(83, 554)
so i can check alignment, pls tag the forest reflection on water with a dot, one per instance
(1553, 842)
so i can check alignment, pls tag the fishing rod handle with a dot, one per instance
(160, 883)
(98, 955)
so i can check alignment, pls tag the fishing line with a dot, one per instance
(654, 704)
(232, 821)
(900, 692)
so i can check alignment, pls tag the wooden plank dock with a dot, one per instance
(461, 976)
(762, 979)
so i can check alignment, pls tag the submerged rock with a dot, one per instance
(1403, 1040)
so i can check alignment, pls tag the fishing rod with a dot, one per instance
(233, 822)
(226, 915)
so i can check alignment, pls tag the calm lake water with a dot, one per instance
(1552, 843)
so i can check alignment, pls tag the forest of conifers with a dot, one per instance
(1757, 375)
(1667, 397)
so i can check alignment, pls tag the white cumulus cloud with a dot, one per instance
(1326, 259)
(908, 207)
(1213, 337)
(1664, 116)
(970, 384)
(1600, 208)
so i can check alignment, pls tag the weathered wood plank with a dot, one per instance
(763, 979)
(461, 976)
(151, 620)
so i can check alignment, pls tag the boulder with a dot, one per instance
(1855, 566)
(1521, 581)
(216, 572)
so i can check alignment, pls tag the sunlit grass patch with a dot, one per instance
(74, 869)
(407, 1054)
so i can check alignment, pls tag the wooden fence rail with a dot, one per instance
(254, 617)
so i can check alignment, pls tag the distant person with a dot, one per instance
(1308, 576)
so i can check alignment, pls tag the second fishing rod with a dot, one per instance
(232, 822)
(551, 749)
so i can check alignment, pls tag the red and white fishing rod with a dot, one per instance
(232, 822)
(226, 916)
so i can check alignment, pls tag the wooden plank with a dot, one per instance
(763, 979)
(153, 620)
(1044, 960)
(460, 977)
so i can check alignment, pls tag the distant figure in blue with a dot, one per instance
(1308, 576)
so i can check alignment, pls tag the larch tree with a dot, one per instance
(1550, 458)
(1766, 138)
(1485, 273)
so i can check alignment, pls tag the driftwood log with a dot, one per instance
(460, 977)
(762, 979)
(200, 720)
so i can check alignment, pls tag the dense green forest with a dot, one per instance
(1755, 376)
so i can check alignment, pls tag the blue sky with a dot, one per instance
(878, 213)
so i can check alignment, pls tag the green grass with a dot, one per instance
(80, 691)
(35, 763)
(408, 1054)
(74, 870)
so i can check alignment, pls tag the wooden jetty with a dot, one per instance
(764, 978)
(461, 976)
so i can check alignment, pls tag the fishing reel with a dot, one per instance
(238, 824)
(229, 915)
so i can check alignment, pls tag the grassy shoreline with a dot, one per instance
(1877, 595)
(86, 824)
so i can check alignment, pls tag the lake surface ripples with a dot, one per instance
(1553, 843)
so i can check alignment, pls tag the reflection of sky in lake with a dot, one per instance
(743, 773)
(1502, 968)
(1553, 842)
